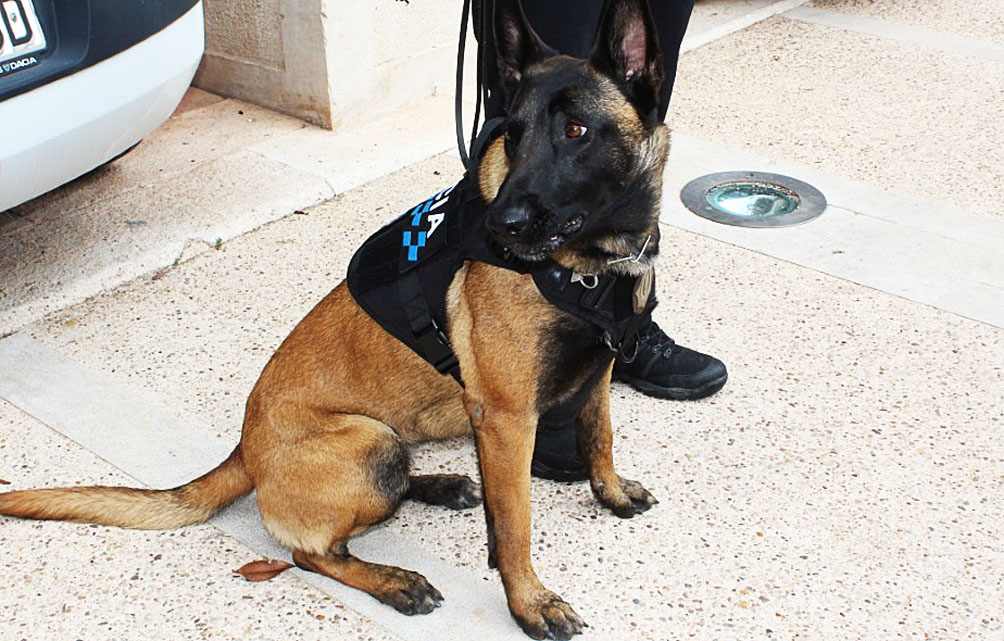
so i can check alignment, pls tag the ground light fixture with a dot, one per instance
(753, 199)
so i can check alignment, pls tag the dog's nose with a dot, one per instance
(511, 221)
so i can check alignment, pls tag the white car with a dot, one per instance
(82, 81)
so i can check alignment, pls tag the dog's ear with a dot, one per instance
(516, 43)
(627, 47)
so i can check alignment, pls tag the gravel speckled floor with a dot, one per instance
(845, 483)
(978, 19)
(908, 119)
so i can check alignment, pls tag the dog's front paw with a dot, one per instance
(547, 616)
(624, 497)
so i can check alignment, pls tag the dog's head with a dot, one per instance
(579, 169)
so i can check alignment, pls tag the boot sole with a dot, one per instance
(543, 471)
(674, 393)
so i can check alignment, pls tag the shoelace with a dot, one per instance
(658, 340)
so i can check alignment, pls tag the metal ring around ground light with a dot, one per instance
(810, 201)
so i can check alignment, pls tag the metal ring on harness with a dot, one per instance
(608, 340)
(595, 281)
(634, 353)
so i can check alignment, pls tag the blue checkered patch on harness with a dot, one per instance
(424, 231)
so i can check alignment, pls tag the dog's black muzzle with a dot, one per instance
(530, 229)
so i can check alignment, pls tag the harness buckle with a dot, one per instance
(437, 349)
(448, 365)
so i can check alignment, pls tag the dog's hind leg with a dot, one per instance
(328, 478)
(453, 491)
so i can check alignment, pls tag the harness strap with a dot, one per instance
(430, 338)
(627, 342)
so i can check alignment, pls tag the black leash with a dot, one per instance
(480, 89)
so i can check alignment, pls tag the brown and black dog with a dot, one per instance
(576, 178)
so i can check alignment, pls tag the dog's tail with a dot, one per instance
(191, 503)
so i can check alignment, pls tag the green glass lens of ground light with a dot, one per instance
(752, 199)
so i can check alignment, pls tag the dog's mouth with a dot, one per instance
(540, 250)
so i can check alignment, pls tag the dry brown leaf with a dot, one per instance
(4, 482)
(263, 569)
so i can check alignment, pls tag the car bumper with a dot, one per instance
(64, 129)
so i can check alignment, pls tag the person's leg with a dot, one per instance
(570, 26)
(661, 368)
(672, 18)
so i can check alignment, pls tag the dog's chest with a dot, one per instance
(573, 357)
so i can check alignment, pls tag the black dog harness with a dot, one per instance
(401, 274)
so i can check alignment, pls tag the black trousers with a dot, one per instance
(570, 27)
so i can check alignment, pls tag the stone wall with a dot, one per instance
(331, 62)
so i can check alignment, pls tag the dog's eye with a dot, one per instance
(574, 130)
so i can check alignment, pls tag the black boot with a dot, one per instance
(666, 370)
(556, 454)
(661, 368)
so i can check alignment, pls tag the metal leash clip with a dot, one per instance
(581, 278)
